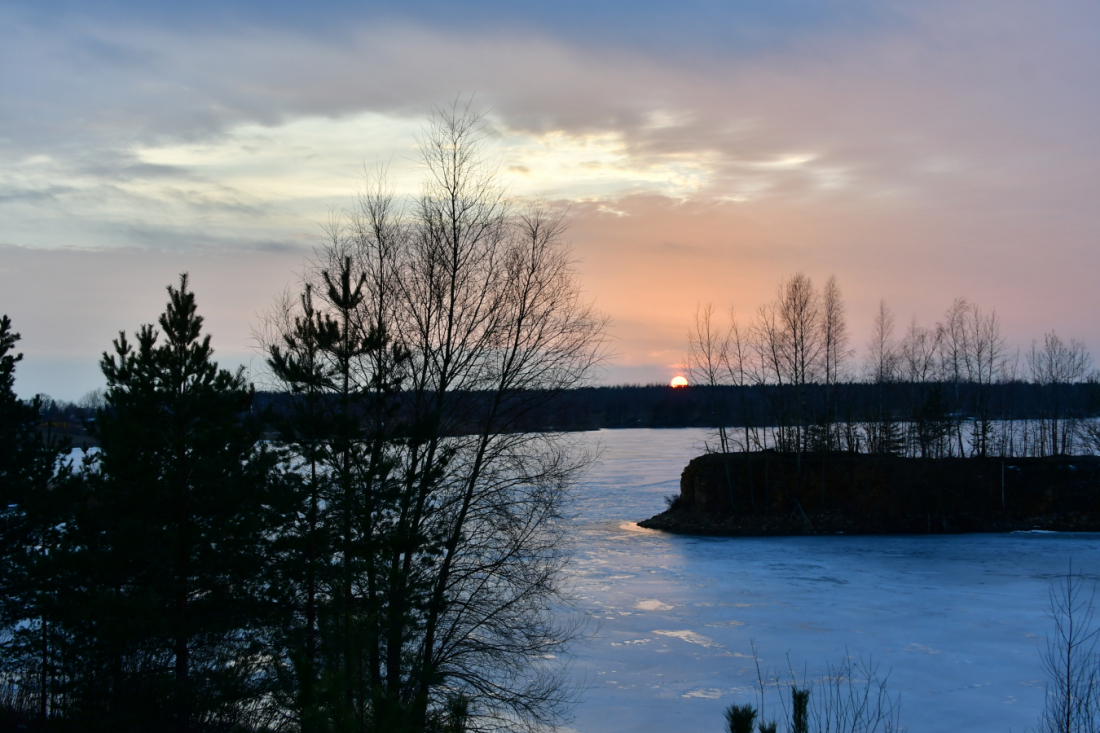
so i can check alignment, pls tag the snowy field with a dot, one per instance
(957, 621)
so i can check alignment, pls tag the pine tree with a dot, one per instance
(174, 533)
(25, 458)
(298, 360)
(338, 420)
(32, 498)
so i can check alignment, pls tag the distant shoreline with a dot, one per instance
(691, 523)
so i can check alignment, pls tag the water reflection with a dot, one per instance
(958, 619)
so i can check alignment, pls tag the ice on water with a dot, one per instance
(956, 620)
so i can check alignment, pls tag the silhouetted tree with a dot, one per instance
(985, 363)
(834, 354)
(1054, 368)
(1071, 659)
(457, 317)
(919, 352)
(953, 355)
(708, 358)
(883, 432)
(168, 558)
(801, 346)
(299, 343)
(33, 491)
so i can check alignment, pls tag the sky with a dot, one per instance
(918, 151)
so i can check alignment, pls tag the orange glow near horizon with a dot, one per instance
(678, 382)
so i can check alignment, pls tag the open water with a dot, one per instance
(957, 621)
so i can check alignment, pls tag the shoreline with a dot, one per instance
(690, 522)
(784, 494)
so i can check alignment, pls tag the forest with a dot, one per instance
(373, 551)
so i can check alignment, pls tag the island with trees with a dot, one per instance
(945, 429)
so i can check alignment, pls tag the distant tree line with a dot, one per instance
(661, 406)
(370, 551)
(787, 380)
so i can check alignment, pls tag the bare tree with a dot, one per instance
(985, 363)
(743, 368)
(834, 343)
(802, 346)
(767, 338)
(954, 346)
(707, 360)
(918, 354)
(1072, 659)
(787, 337)
(1055, 367)
(882, 362)
(882, 369)
(463, 315)
(850, 697)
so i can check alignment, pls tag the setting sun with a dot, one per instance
(678, 382)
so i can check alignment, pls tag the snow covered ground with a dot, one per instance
(957, 621)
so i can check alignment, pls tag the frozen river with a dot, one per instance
(956, 620)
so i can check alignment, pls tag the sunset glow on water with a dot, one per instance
(957, 620)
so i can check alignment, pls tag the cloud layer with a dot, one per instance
(919, 151)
